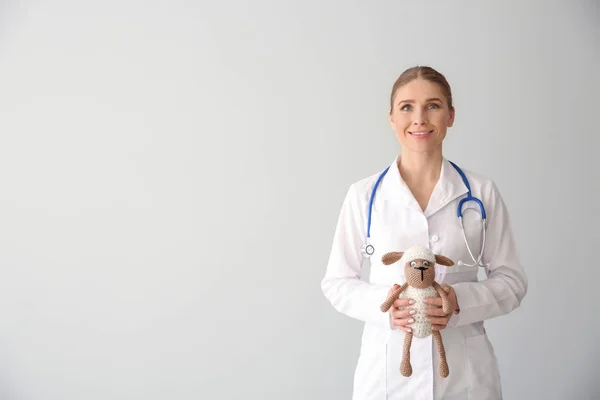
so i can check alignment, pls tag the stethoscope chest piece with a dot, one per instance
(367, 250)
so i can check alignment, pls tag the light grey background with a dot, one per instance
(171, 174)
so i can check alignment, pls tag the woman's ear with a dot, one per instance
(451, 119)
(392, 257)
(442, 260)
(391, 120)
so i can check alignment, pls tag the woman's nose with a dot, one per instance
(420, 118)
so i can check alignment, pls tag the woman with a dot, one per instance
(416, 204)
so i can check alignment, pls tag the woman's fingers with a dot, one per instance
(403, 323)
(396, 286)
(435, 311)
(434, 301)
(402, 317)
(438, 320)
(404, 313)
(403, 303)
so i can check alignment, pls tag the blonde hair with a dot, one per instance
(426, 73)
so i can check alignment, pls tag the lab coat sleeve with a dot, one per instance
(506, 282)
(342, 284)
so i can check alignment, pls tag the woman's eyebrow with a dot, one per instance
(412, 101)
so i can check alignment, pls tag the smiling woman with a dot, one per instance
(420, 193)
(421, 109)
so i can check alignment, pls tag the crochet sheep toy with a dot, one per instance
(419, 271)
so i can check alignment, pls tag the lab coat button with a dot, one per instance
(434, 238)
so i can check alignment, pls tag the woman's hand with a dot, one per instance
(401, 318)
(439, 319)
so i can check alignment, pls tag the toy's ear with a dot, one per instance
(442, 260)
(392, 257)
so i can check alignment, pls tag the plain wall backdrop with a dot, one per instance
(171, 173)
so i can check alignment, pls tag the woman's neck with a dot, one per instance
(420, 168)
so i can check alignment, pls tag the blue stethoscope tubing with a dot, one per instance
(368, 249)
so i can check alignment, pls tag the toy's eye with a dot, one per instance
(413, 264)
(426, 263)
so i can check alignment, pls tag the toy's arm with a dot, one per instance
(392, 297)
(445, 303)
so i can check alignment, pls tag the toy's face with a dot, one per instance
(419, 273)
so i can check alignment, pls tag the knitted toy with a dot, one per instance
(419, 271)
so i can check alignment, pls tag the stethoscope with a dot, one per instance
(368, 249)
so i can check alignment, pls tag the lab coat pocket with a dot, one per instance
(483, 377)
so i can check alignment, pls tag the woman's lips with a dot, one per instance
(420, 134)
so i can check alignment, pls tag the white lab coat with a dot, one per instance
(398, 223)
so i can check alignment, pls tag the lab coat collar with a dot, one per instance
(449, 186)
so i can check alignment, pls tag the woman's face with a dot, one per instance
(420, 116)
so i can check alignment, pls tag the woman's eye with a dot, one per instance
(405, 107)
(433, 105)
